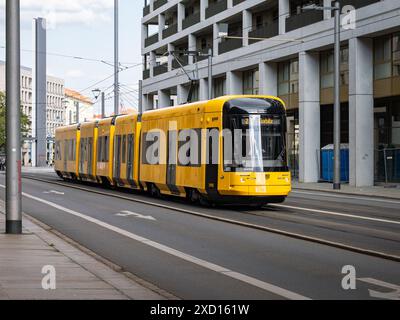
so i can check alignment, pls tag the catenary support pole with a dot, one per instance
(13, 165)
(210, 82)
(336, 120)
(103, 105)
(140, 106)
(116, 60)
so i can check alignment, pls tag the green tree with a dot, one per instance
(25, 123)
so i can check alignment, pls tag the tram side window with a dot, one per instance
(189, 146)
(106, 148)
(99, 149)
(117, 148)
(151, 145)
(57, 152)
(89, 149)
(130, 148)
(82, 150)
(73, 143)
(124, 149)
(71, 149)
(102, 149)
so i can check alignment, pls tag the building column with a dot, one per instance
(268, 78)
(164, 99)
(203, 6)
(181, 15)
(161, 26)
(151, 5)
(327, 13)
(171, 47)
(203, 89)
(361, 112)
(152, 63)
(145, 33)
(246, 25)
(150, 101)
(230, 4)
(182, 92)
(234, 83)
(216, 40)
(309, 116)
(284, 9)
(192, 46)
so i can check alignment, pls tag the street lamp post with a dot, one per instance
(336, 120)
(336, 107)
(97, 93)
(13, 172)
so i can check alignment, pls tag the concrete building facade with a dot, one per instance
(276, 48)
(55, 109)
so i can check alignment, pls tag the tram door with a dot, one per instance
(89, 156)
(117, 157)
(129, 164)
(213, 160)
(66, 155)
(82, 154)
(171, 160)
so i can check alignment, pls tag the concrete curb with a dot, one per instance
(346, 193)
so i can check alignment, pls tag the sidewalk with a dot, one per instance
(375, 191)
(79, 276)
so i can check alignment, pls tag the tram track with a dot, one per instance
(290, 234)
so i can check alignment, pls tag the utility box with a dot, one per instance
(327, 163)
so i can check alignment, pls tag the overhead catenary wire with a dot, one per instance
(74, 57)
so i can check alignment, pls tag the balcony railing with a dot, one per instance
(183, 60)
(229, 45)
(235, 2)
(357, 3)
(216, 7)
(204, 55)
(146, 10)
(171, 30)
(146, 74)
(160, 69)
(303, 19)
(264, 32)
(191, 20)
(151, 40)
(159, 3)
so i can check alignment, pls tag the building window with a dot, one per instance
(382, 58)
(327, 68)
(219, 87)
(288, 77)
(396, 54)
(195, 93)
(251, 82)
(283, 78)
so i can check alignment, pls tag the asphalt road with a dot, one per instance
(198, 258)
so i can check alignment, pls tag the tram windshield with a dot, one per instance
(254, 143)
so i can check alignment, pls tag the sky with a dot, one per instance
(84, 28)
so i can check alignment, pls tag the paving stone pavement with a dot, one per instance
(78, 275)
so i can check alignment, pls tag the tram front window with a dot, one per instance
(256, 143)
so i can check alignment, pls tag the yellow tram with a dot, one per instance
(226, 150)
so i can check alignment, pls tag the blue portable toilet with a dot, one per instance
(327, 163)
